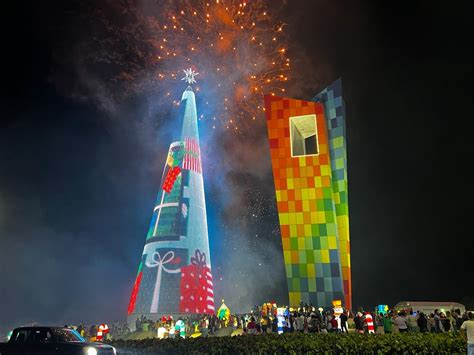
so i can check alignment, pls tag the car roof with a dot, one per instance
(41, 327)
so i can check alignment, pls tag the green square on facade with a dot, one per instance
(303, 270)
(340, 209)
(322, 229)
(327, 192)
(294, 243)
(343, 196)
(328, 204)
(324, 243)
(296, 284)
(330, 217)
(309, 256)
(331, 229)
(315, 230)
(302, 255)
(317, 243)
(312, 284)
(320, 204)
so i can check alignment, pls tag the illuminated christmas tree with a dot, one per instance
(174, 275)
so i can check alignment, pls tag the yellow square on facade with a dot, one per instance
(295, 298)
(299, 218)
(312, 193)
(302, 161)
(292, 217)
(293, 230)
(278, 195)
(314, 217)
(332, 242)
(304, 194)
(283, 218)
(301, 244)
(318, 182)
(311, 271)
(289, 184)
(325, 256)
(345, 260)
(325, 171)
(321, 217)
(306, 206)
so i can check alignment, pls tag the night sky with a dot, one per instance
(80, 169)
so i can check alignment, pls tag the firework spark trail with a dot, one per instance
(238, 49)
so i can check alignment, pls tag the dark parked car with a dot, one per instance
(51, 341)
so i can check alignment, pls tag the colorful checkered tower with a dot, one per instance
(309, 161)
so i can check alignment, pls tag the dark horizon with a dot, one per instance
(79, 171)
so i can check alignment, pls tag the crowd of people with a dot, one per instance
(266, 320)
(307, 320)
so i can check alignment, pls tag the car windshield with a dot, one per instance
(68, 336)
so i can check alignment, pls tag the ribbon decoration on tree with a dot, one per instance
(199, 259)
(160, 262)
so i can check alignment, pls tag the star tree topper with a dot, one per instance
(189, 76)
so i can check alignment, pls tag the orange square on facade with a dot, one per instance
(304, 182)
(307, 217)
(285, 231)
(317, 170)
(319, 193)
(326, 180)
(291, 206)
(291, 195)
(295, 257)
(283, 206)
(323, 159)
(299, 205)
(300, 230)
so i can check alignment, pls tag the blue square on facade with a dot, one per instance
(326, 270)
(333, 256)
(304, 284)
(337, 284)
(295, 270)
(319, 270)
(321, 299)
(320, 283)
(327, 284)
(335, 270)
(313, 298)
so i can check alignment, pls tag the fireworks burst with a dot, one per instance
(237, 47)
